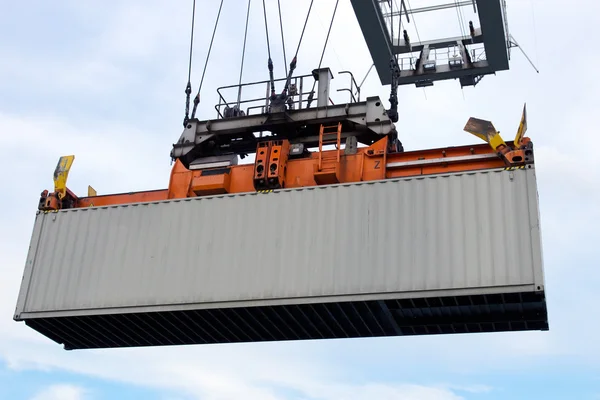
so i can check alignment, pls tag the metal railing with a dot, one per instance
(477, 52)
(299, 92)
(444, 55)
(353, 88)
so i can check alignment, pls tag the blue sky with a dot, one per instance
(105, 79)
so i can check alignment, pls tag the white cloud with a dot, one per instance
(61, 392)
(471, 388)
(104, 152)
(383, 392)
(218, 372)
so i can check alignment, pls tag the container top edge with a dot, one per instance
(296, 189)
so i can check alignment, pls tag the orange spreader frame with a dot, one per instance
(367, 164)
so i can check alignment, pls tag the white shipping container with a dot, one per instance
(423, 255)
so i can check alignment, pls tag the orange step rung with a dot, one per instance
(322, 141)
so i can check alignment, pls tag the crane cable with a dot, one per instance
(410, 11)
(197, 98)
(282, 41)
(283, 94)
(266, 28)
(460, 17)
(328, 32)
(292, 64)
(239, 98)
(400, 23)
(188, 88)
(391, 6)
(270, 62)
(310, 99)
(304, 28)
(392, 112)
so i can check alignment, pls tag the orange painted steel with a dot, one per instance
(443, 160)
(122, 198)
(367, 164)
(270, 165)
(323, 141)
(278, 158)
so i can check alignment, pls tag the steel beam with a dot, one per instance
(401, 48)
(492, 33)
(367, 120)
(430, 8)
(372, 23)
(491, 20)
(444, 72)
(323, 77)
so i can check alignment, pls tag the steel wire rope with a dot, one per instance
(191, 42)
(243, 55)
(394, 54)
(282, 39)
(324, 47)
(463, 32)
(197, 98)
(391, 6)
(188, 87)
(328, 32)
(399, 25)
(396, 57)
(416, 29)
(392, 112)
(266, 29)
(366, 76)
(293, 63)
(303, 29)
(414, 20)
(460, 17)
(270, 62)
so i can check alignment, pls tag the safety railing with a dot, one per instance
(477, 52)
(354, 88)
(254, 97)
(449, 55)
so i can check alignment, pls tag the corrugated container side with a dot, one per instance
(461, 231)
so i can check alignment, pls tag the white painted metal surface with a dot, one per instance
(444, 235)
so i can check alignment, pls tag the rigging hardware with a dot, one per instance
(513, 43)
(394, 66)
(278, 101)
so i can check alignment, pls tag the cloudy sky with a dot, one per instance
(105, 80)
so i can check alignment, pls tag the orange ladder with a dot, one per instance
(327, 130)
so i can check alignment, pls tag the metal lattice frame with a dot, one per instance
(483, 50)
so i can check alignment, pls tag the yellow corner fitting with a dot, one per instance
(61, 173)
